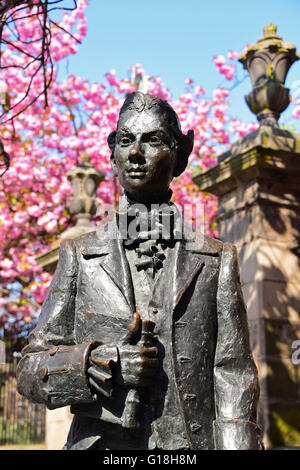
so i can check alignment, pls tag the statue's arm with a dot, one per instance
(53, 369)
(235, 374)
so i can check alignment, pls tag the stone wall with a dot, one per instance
(58, 423)
(259, 212)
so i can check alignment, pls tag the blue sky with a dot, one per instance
(177, 39)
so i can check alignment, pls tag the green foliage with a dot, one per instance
(285, 427)
(18, 433)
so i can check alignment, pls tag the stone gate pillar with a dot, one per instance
(258, 184)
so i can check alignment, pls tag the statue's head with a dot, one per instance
(148, 148)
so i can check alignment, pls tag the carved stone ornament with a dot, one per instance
(268, 62)
(85, 180)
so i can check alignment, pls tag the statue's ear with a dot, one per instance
(113, 164)
(183, 152)
(111, 140)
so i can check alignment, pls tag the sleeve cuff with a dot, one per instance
(57, 376)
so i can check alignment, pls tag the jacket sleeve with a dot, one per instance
(235, 374)
(53, 368)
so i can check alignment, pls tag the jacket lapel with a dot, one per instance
(189, 260)
(186, 266)
(113, 261)
(117, 267)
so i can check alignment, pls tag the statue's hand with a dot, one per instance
(100, 368)
(137, 366)
(137, 363)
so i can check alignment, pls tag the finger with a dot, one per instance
(103, 363)
(100, 376)
(149, 352)
(102, 388)
(95, 385)
(133, 329)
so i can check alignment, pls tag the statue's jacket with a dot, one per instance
(214, 373)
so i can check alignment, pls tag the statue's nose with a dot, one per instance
(136, 149)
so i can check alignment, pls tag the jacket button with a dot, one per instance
(195, 427)
(184, 359)
(154, 310)
(43, 373)
(53, 350)
(189, 397)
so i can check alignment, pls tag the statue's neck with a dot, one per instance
(149, 199)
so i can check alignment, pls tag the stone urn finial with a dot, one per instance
(85, 180)
(268, 62)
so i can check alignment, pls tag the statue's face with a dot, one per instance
(144, 155)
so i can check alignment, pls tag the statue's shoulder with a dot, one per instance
(198, 242)
(93, 239)
(206, 245)
(85, 238)
(213, 245)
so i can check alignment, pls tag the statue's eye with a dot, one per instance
(155, 140)
(125, 141)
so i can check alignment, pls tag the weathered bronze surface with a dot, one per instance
(145, 335)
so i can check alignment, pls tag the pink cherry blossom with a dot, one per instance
(232, 55)
(228, 71)
(296, 112)
(219, 94)
(219, 60)
(6, 264)
(46, 143)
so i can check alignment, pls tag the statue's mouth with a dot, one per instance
(136, 172)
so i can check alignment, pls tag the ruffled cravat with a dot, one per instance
(149, 231)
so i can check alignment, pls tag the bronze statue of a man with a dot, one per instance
(142, 332)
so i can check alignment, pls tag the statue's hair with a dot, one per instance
(139, 102)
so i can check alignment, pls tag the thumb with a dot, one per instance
(133, 329)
